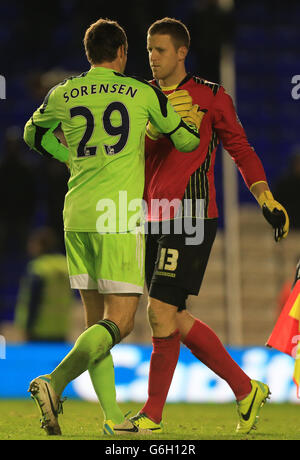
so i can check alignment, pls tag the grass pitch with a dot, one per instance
(19, 420)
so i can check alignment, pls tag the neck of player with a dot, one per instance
(110, 65)
(173, 80)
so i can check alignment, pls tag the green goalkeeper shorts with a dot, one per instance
(110, 263)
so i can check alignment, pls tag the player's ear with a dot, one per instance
(121, 51)
(122, 56)
(182, 52)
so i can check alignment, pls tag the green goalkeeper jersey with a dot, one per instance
(103, 115)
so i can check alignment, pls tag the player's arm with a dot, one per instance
(39, 130)
(234, 139)
(165, 120)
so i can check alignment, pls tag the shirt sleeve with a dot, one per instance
(232, 134)
(167, 121)
(38, 131)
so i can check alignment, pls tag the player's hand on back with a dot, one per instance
(60, 136)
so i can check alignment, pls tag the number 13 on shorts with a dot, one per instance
(168, 259)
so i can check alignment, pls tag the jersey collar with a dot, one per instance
(102, 70)
(185, 80)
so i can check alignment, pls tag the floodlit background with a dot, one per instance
(252, 48)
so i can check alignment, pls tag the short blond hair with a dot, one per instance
(176, 29)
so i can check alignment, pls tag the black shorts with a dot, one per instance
(174, 267)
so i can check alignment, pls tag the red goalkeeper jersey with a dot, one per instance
(172, 175)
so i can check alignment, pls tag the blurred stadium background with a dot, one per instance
(252, 48)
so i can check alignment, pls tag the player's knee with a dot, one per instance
(185, 322)
(154, 316)
(162, 318)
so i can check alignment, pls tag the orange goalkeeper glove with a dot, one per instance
(275, 214)
(182, 103)
(194, 116)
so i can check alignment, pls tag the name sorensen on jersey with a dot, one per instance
(87, 90)
(95, 110)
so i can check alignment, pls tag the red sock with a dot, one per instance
(207, 347)
(164, 358)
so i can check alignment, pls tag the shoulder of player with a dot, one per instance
(72, 81)
(206, 93)
(145, 84)
(204, 85)
(151, 90)
(65, 84)
(51, 96)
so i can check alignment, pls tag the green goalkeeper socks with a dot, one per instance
(90, 347)
(103, 377)
(92, 351)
